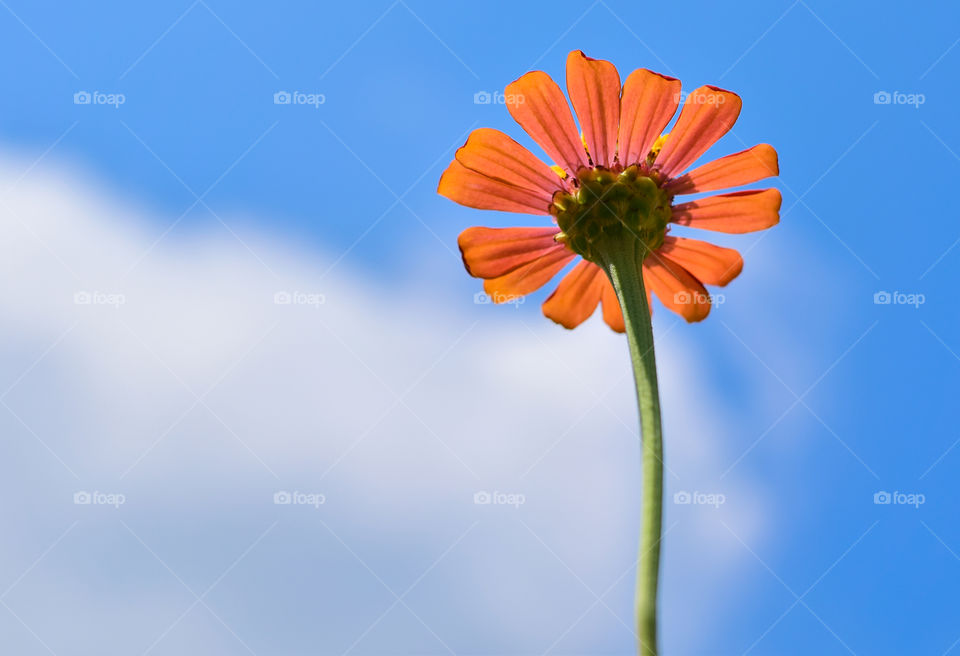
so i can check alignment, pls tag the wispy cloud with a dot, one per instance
(451, 482)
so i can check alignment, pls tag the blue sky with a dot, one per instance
(399, 397)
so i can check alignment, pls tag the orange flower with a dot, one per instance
(620, 173)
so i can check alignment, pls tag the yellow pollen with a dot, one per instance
(657, 146)
(559, 171)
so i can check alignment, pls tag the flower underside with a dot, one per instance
(608, 205)
(611, 189)
(610, 192)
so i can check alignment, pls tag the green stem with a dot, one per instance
(622, 263)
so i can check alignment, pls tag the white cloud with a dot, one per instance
(305, 397)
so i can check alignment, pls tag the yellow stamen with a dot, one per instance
(559, 171)
(657, 146)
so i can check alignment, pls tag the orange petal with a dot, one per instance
(734, 170)
(496, 155)
(467, 187)
(707, 114)
(528, 278)
(537, 104)
(676, 288)
(493, 252)
(648, 103)
(576, 297)
(741, 211)
(594, 88)
(611, 307)
(710, 264)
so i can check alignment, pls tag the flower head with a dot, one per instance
(617, 179)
